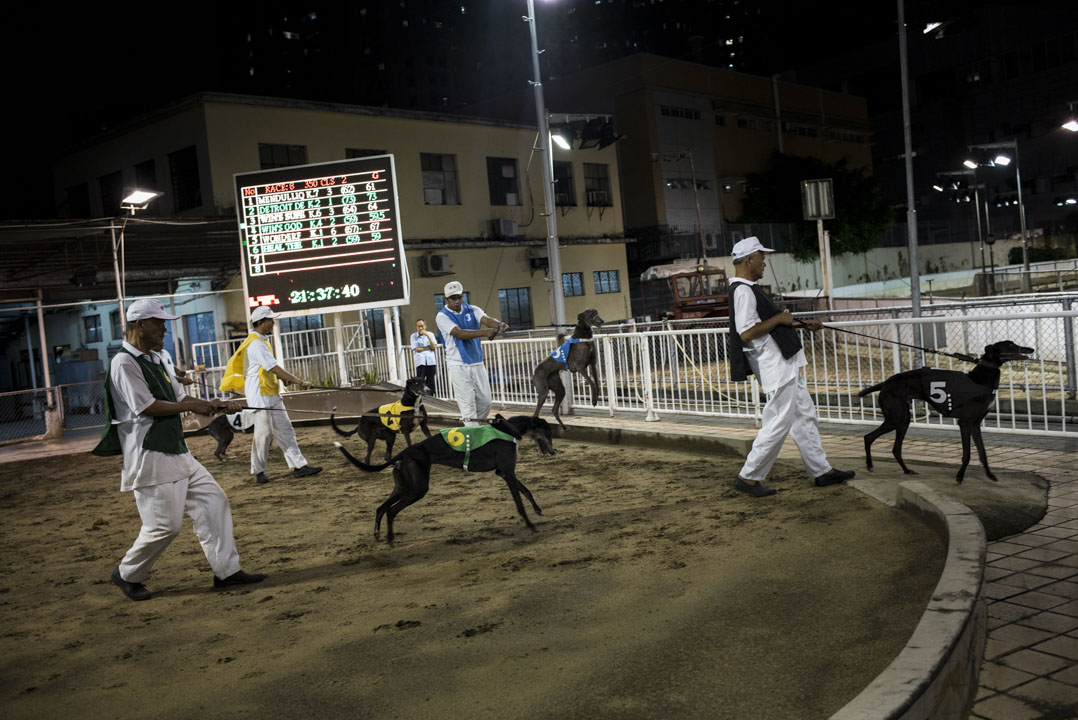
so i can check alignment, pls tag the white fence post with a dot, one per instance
(609, 379)
(649, 398)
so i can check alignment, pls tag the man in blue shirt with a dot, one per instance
(463, 326)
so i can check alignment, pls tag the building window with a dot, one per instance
(114, 323)
(597, 185)
(186, 188)
(746, 123)
(516, 307)
(351, 153)
(572, 284)
(92, 323)
(606, 281)
(502, 179)
(301, 322)
(112, 188)
(274, 156)
(439, 179)
(78, 201)
(564, 191)
(678, 112)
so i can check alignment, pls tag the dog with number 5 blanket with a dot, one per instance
(474, 449)
(963, 396)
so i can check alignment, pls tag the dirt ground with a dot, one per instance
(650, 589)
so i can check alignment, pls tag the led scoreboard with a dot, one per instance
(322, 237)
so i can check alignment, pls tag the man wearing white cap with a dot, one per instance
(463, 326)
(764, 343)
(261, 374)
(143, 403)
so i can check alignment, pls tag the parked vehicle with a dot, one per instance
(679, 290)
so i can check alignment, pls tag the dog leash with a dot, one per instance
(958, 356)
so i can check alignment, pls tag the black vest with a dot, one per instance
(786, 337)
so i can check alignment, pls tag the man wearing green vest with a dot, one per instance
(143, 403)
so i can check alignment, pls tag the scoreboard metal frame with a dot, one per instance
(324, 237)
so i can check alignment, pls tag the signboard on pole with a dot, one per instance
(817, 199)
(322, 238)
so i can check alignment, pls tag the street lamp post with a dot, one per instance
(976, 201)
(1003, 160)
(548, 174)
(132, 202)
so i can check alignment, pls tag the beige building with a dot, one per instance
(470, 194)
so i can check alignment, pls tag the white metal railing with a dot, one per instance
(685, 371)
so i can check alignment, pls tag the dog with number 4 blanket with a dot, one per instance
(963, 396)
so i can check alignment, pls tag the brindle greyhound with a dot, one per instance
(965, 396)
(580, 357)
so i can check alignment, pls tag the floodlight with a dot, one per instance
(970, 164)
(937, 188)
(1071, 125)
(1002, 160)
(141, 197)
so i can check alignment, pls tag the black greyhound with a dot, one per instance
(580, 358)
(373, 425)
(411, 472)
(965, 396)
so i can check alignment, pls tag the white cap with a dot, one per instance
(262, 312)
(453, 288)
(143, 309)
(748, 246)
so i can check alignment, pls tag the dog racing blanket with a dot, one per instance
(391, 414)
(948, 391)
(466, 439)
(562, 353)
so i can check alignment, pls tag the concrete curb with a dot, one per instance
(935, 675)
(688, 442)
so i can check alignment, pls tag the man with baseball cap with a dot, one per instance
(254, 370)
(764, 343)
(463, 326)
(143, 403)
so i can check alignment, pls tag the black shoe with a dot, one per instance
(306, 470)
(757, 489)
(834, 477)
(238, 578)
(261, 478)
(135, 591)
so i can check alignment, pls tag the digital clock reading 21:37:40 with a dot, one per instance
(298, 297)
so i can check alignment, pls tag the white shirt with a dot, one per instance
(763, 353)
(426, 357)
(257, 356)
(130, 397)
(446, 325)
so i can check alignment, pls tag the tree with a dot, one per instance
(861, 215)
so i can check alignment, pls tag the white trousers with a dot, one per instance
(471, 388)
(789, 411)
(274, 425)
(161, 508)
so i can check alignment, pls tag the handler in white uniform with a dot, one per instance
(143, 404)
(463, 326)
(762, 338)
(263, 391)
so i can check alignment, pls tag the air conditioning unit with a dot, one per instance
(504, 228)
(562, 199)
(434, 264)
(537, 258)
(598, 198)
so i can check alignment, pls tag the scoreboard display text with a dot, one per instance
(322, 237)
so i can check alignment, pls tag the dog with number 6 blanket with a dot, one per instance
(474, 449)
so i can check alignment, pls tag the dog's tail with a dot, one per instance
(364, 466)
(340, 432)
(870, 390)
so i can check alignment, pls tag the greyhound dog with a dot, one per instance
(387, 421)
(965, 396)
(576, 355)
(454, 448)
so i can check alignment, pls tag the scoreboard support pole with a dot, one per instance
(391, 347)
(278, 347)
(338, 336)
